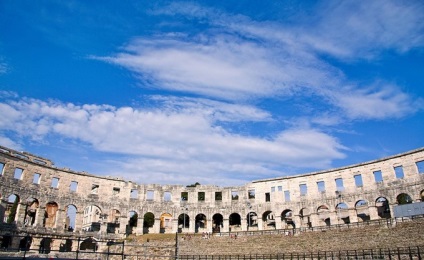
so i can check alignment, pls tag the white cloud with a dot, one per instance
(171, 143)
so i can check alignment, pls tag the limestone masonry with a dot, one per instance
(38, 197)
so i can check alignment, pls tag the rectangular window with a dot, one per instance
(116, 190)
(378, 177)
(73, 186)
(167, 196)
(321, 186)
(339, 184)
(399, 172)
(184, 196)
(287, 195)
(420, 167)
(234, 195)
(280, 188)
(55, 182)
(150, 195)
(18, 173)
(94, 188)
(36, 178)
(358, 180)
(218, 195)
(251, 194)
(1, 169)
(272, 189)
(303, 189)
(201, 196)
(267, 197)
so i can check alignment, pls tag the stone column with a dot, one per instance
(244, 224)
(40, 216)
(260, 223)
(209, 225)
(278, 222)
(373, 213)
(226, 227)
(192, 224)
(20, 213)
(123, 222)
(156, 226)
(139, 229)
(353, 217)
(174, 225)
(78, 219)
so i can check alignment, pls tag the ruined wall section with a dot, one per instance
(266, 198)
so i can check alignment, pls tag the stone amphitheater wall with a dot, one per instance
(117, 207)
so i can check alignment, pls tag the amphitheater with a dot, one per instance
(368, 210)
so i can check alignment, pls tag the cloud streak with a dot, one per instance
(177, 142)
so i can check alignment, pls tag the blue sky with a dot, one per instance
(216, 92)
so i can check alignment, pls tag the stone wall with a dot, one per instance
(59, 200)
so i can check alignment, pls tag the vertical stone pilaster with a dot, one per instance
(226, 227)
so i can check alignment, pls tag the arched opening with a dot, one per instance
(235, 222)
(113, 221)
(183, 222)
(12, 207)
(305, 217)
(217, 223)
(422, 195)
(148, 222)
(91, 218)
(383, 208)
(287, 219)
(324, 214)
(201, 223)
(268, 220)
(132, 222)
(25, 243)
(45, 245)
(403, 198)
(32, 206)
(50, 214)
(343, 212)
(362, 210)
(66, 247)
(166, 223)
(89, 244)
(252, 220)
(71, 216)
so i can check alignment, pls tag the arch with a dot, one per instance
(217, 223)
(32, 205)
(422, 195)
(200, 222)
(362, 210)
(113, 221)
(89, 244)
(45, 245)
(234, 221)
(383, 208)
(71, 216)
(50, 214)
(268, 220)
(342, 210)
(324, 214)
(91, 218)
(183, 222)
(165, 222)
(148, 222)
(25, 243)
(403, 198)
(287, 219)
(252, 219)
(132, 222)
(305, 217)
(12, 207)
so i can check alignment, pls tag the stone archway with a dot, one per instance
(217, 223)
(268, 220)
(50, 214)
(200, 223)
(383, 208)
(342, 210)
(166, 223)
(252, 220)
(324, 214)
(235, 222)
(32, 206)
(287, 219)
(71, 217)
(403, 198)
(362, 210)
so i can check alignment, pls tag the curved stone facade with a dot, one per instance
(36, 195)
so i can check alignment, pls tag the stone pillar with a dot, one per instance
(373, 213)
(60, 219)
(278, 222)
(209, 225)
(244, 224)
(40, 216)
(20, 213)
(192, 225)
(140, 224)
(353, 217)
(78, 219)
(335, 218)
(174, 225)
(156, 226)
(226, 227)
(123, 222)
(2, 210)
(298, 223)
(260, 223)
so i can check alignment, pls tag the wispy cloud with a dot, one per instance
(173, 142)
(241, 59)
